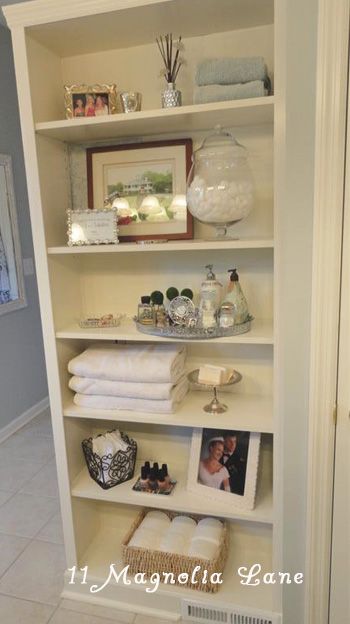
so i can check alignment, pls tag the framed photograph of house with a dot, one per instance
(12, 294)
(224, 466)
(90, 101)
(146, 184)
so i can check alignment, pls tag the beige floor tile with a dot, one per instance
(37, 574)
(123, 617)
(30, 448)
(4, 496)
(52, 531)
(15, 611)
(25, 515)
(15, 473)
(149, 619)
(63, 616)
(10, 547)
(44, 483)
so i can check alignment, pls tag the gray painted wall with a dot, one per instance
(22, 365)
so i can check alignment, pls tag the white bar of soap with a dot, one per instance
(214, 375)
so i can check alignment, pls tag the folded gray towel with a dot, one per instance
(228, 71)
(219, 93)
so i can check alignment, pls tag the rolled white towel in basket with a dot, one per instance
(134, 390)
(161, 363)
(138, 405)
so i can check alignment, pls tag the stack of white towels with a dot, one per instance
(219, 79)
(138, 377)
(182, 535)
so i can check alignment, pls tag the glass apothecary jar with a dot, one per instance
(220, 187)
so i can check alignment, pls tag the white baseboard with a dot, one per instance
(23, 419)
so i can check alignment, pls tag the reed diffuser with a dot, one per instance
(170, 53)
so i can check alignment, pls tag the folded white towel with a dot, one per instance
(162, 363)
(134, 390)
(138, 405)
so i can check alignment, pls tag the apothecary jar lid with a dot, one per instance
(220, 145)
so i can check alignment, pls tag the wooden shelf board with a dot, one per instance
(245, 413)
(191, 245)
(260, 333)
(247, 546)
(184, 119)
(179, 500)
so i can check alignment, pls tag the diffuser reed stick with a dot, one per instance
(171, 59)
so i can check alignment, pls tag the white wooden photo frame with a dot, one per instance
(12, 293)
(238, 454)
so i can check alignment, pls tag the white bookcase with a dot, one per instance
(113, 41)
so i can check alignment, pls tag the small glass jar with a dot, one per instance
(161, 318)
(146, 312)
(227, 315)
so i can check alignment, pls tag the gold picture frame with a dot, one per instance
(90, 100)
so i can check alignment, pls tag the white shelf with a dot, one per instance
(190, 245)
(246, 548)
(179, 500)
(260, 333)
(245, 413)
(184, 119)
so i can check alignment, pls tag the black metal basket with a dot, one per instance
(110, 470)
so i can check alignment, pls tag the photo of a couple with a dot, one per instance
(223, 460)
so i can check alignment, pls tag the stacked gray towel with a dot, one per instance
(231, 79)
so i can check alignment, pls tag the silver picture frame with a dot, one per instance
(92, 227)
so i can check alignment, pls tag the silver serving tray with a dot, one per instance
(195, 333)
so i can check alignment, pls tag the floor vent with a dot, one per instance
(199, 612)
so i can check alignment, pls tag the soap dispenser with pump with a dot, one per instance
(210, 297)
(236, 297)
(211, 288)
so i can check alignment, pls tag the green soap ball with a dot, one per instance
(157, 297)
(187, 292)
(172, 292)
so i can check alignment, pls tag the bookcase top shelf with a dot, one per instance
(73, 28)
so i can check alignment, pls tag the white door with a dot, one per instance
(340, 565)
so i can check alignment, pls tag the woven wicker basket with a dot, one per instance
(157, 562)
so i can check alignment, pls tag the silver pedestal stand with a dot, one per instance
(214, 407)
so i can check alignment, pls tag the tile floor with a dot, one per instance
(31, 541)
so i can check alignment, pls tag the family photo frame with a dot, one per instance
(224, 466)
(146, 184)
(90, 101)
